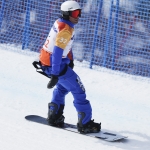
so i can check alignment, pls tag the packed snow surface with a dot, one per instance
(120, 103)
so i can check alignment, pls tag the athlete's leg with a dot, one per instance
(72, 82)
(59, 94)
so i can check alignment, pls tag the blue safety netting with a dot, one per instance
(113, 34)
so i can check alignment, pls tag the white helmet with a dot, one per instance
(68, 6)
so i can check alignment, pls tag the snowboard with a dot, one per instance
(107, 136)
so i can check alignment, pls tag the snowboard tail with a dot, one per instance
(107, 136)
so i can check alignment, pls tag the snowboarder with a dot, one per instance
(56, 61)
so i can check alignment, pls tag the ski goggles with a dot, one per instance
(75, 13)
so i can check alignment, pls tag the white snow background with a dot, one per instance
(121, 104)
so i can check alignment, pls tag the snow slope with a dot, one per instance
(122, 104)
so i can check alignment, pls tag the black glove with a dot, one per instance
(71, 64)
(53, 81)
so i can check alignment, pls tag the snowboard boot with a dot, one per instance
(55, 117)
(89, 127)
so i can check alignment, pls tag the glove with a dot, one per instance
(71, 64)
(53, 81)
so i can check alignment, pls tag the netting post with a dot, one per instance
(95, 32)
(25, 39)
(108, 35)
(115, 36)
(1, 13)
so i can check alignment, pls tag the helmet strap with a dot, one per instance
(65, 15)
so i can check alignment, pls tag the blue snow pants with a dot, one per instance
(70, 82)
